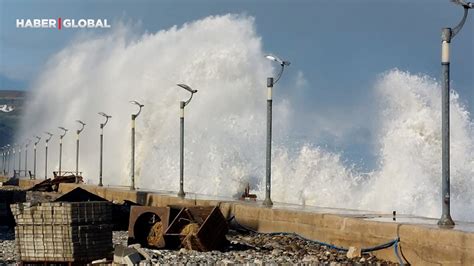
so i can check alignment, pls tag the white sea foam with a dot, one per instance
(225, 123)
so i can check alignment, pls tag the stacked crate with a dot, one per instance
(63, 231)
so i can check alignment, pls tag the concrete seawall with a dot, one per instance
(421, 241)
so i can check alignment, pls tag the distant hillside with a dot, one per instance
(11, 94)
(10, 121)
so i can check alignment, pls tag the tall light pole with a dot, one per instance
(183, 104)
(268, 169)
(61, 147)
(14, 159)
(134, 117)
(78, 132)
(34, 155)
(4, 155)
(28, 141)
(446, 37)
(19, 159)
(107, 117)
(9, 152)
(46, 154)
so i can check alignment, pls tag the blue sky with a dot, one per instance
(341, 46)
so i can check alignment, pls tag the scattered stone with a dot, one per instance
(126, 255)
(258, 249)
(354, 252)
(101, 261)
(244, 249)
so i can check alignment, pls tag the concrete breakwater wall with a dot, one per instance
(421, 241)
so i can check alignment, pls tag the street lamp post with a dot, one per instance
(134, 117)
(61, 147)
(14, 159)
(28, 141)
(183, 104)
(446, 37)
(3, 160)
(107, 117)
(46, 154)
(19, 160)
(78, 132)
(9, 152)
(34, 156)
(268, 169)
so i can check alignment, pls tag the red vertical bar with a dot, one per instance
(59, 23)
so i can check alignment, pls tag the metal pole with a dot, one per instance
(181, 193)
(132, 186)
(26, 160)
(3, 160)
(9, 155)
(101, 153)
(19, 160)
(78, 132)
(34, 162)
(46, 161)
(268, 169)
(60, 154)
(445, 219)
(5, 166)
(13, 162)
(77, 157)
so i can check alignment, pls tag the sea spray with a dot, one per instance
(222, 57)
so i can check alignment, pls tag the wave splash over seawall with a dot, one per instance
(221, 56)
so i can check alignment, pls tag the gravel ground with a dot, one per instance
(258, 249)
(244, 249)
(7, 245)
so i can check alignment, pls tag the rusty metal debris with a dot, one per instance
(50, 185)
(247, 196)
(198, 228)
(147, 225)
(155, 236)
(79, 194)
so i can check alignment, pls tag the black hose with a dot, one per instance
(363, 250)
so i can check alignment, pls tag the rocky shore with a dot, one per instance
(256, 249)
(243, 249)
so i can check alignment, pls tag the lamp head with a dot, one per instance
(50, 136)
(65, 131)
(105, 115)
(80, 122)
(463, 3)
(186, 87)
(278, 60)
(137, 103)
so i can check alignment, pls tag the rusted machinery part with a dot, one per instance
(155, 236)
(209, 234)
(147, 224)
